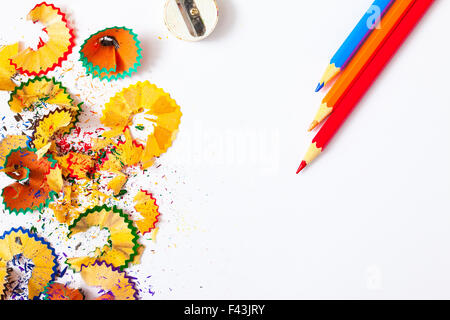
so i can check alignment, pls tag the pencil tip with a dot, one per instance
(320, 86)
(302, 166)
(313, 125)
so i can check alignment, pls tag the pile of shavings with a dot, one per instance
(78, 177)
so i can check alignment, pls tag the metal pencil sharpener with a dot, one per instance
(191, 20)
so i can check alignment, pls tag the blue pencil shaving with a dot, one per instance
(63, 272)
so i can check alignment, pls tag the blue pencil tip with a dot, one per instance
(320, 86)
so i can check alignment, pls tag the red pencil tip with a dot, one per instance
(302, 166)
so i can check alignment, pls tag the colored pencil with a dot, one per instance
(354, 40)
(360, 61)
(365, 80)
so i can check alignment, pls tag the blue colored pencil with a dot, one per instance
(354, 41)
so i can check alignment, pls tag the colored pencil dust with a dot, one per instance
(80, 165)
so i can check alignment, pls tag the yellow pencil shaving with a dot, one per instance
(42, 151)
(155, 232)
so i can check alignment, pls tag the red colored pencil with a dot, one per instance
(366, 79)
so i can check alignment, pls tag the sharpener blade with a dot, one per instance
(192, 17)
(191, 20)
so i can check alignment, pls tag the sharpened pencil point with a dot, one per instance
(313, 125)
(320, 86)
(302, 166)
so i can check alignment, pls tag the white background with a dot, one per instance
(369, 219)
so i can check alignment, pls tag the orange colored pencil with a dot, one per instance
(362, 59)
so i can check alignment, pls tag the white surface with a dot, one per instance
(369, 219)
